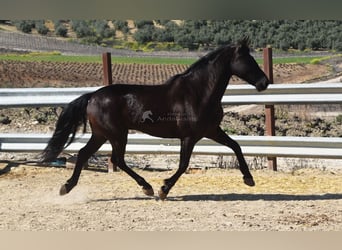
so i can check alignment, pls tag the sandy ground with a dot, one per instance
(202, 200)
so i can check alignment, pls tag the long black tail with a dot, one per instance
(72, 117)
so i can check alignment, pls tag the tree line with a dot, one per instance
(201, 34)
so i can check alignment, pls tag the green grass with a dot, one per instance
(58, 57)
(50, 57)
(153, 60)
(304, 60)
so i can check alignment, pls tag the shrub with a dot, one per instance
(82, 28)
(315, 61)
(142, 23)
(121, 25)
(25, 26)
(103, 30)
(338, 46)
(144, 35)
(61, 30)
(41, 28)
(284, 45)
(162, 35)
(339, 119)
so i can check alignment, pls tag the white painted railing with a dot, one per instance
(298, 147)
(313, 93)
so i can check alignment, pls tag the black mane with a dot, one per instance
(200, 63)
(204, 60)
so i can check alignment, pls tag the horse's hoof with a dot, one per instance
(148, 192)
(249, 182)
(63, 190)
(162, 195)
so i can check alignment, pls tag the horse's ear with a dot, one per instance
(244, 42)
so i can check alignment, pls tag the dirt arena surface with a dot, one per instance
(202, 200)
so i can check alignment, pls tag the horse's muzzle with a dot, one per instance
(262, 84)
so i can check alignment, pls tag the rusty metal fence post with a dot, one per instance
(107, 80)
(107, 68)
(269, 109)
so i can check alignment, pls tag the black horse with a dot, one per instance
(187, 106)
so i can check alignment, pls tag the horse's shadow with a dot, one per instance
(234, 197)
(8, 167)
(255, 197)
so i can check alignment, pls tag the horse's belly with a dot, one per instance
(169, 130)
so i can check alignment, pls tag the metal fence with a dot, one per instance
(303, 147)
(312, 93)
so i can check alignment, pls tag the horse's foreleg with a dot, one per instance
(187, 145)
(84, 154)
(221, 137)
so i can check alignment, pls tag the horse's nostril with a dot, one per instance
(262, 85)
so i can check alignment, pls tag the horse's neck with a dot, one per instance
(206, 84)
(213, 87)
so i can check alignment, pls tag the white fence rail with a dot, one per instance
(40, 97)
(304, 147)
(298, 147)
(314, 93)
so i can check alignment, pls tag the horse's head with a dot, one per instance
(244, 66)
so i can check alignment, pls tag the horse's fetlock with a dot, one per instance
(167, 182)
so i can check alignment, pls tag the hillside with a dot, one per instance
(189, 34)
(18, 42)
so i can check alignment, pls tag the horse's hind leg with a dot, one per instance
(119, 147)
(84, 154)
(187, 146)
(221, 137)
